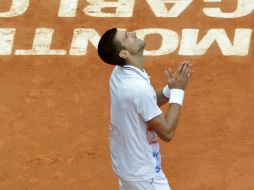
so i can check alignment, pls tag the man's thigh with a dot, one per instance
(160, 183)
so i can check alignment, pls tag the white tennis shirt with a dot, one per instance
(134, 149)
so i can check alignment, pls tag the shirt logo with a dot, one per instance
(151, 136)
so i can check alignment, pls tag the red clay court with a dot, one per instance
(54, 109)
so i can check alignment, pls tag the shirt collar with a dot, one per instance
(140, 72)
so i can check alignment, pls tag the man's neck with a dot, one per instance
(138, 62)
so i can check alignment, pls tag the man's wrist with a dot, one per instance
(176, 96)
(166, 91)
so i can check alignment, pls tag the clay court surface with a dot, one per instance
(54, 110)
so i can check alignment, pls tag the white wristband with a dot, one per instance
(166, 91)
(176, 96)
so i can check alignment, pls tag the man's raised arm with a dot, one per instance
(165, 125)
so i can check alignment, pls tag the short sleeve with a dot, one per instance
(146, 103)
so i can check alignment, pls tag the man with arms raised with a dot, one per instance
(136, 118)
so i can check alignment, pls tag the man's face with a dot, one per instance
(130, 41)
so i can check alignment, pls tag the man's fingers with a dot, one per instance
(185, 67)
(187, 70)
(166, 74)
(189, 73)
(179, 69)
(170, 73)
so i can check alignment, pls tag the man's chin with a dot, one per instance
(143, 45)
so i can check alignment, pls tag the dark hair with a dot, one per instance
(109, 48)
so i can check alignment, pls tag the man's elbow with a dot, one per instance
(168, 138)
(170, 134)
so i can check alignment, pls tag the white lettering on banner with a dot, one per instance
(6, 40)
(41, 44)
(18, 7)
(244, 8)
(169, 40)
(80, 40)
(68, 8)
(160, 10)
(189, 45)
(240, 45)
(124, 8)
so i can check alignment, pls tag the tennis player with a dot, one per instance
(136, 119)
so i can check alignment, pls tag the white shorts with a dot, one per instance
(157, 183)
